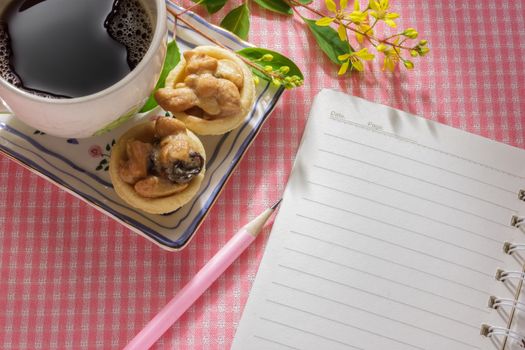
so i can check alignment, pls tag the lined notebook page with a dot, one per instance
(388, 237)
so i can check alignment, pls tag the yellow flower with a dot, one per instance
(391, 60)
(325, 21)
(360, 19)
(330, 5)
(363, 28)
(339, 15)
(390, 63)
(341, 30)
(381, 48)
(379, 12)
(355, 59)
(344, 67)
(392, 55)
(364, 54)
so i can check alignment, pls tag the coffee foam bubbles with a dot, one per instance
(130, 25)
(5, 53)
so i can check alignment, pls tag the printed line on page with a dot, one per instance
(403, 139)
(291, 268)
(342, 323)
(339, 302)
(481, 272)
(308, 332)
(477, 308)
(412, 195)
(406, 211)
(421, 162)
(418, 179)
(275, 342)
(406, 230)
(302, 234)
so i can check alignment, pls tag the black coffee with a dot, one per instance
(71, 48)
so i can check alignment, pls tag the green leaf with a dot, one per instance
(211, 6)
(305, 2)
(171, 60)
(329, 41)
(279, 6)
(237, 21)
(254, 54)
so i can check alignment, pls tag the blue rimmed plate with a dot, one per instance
(80, 166)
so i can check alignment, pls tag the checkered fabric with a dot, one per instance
(72, 278)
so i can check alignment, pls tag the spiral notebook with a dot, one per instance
(395, 232)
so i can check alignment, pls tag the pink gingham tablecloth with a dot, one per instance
(72, 278)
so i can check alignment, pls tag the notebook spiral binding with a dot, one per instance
(495, 303)
(491, 331)
(510, 248)
(502, 276)
(517, 221)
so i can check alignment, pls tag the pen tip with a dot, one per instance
(273, 207)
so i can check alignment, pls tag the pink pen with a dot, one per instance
(199, 283)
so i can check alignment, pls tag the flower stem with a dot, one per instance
(369, 38)
(372, 27)
(189, 8)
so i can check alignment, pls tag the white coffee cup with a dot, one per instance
(93, 114)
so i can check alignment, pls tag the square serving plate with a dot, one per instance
(80, 166)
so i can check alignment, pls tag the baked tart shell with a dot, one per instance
(220, 125)
(145, 132)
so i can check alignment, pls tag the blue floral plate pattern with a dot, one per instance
(80, 166)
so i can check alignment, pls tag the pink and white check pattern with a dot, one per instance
(72, 278)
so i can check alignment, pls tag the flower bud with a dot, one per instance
(408, 64)
(267, 57)
(268, 69)
(414, 53)
(381, 47)
(284, 69)
(410, 33)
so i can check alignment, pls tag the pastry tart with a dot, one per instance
(211, 90)
(157, 166)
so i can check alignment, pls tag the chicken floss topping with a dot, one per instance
(211, 88)
(163, 167)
